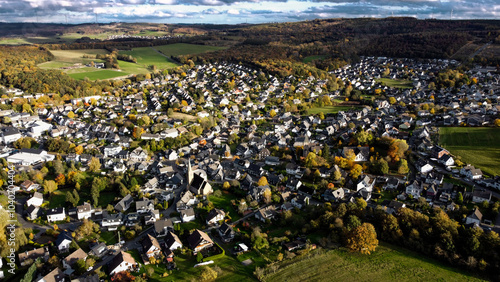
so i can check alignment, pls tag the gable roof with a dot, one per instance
(63, 236)
(119, 258)
(197, 237)
(171, 238)
(148, 242)
(75, 256)
(55, 275)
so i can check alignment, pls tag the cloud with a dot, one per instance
(236, 11)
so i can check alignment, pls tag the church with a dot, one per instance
(197, 184)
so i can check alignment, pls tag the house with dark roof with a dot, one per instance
(172, 242)
(98, 250)
(28, 257)
(56, 275)
(56, 214)
(63, 241)
(266, 213)
(122, 262)
(214, 216)
(125, 203)
(150, 246)
(226, 232)
(199, 240)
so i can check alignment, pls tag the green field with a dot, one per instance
(388, 263)
(396, 83)
(97, 74)
(309, 59)
(478, 146)
(330, 109)
(147, 56)
(185, 49)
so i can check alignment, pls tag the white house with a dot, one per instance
(475, 217)
(172, 242)
(63, 241)
(426, 168)
(36, 200)
(84, 211)
(121, 262)
(57, 214)
(187, 215)
(367, 183)
(214, 216)
(112, 150)
(414, 189)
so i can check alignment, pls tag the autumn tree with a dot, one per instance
(362, 239)
(311, 160)
(94, 164)
(49, 186)
(71, 115)
(392, 100)
(79, 149)
(267, 195)
(262, 181)
(226, 185)
(60, 179)
(272, 113)
(403, 167)
(356, 171)
(397, 149)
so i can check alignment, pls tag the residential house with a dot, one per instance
(32, 212)
(361, 153)
(63, 241)
(479, 196)
(121, 262)
(366, 182)
(172, 242)
(334, 195)
(197, 184)
(56, 275)
(98, 250)
(36, 200)
(162, 227)
(187, 215)
(124, 204)
(226, 232)
(266, 213)
(414, 189)
(199, 240)
(84, 211)
(9, 135)
(29, 257)
(187, 200)
(56, 214)
(150, 246)
(214, 216)
(71, 259)
(144, 206)
(471, 172)
(474, 217)
(300, 201)
(151, 217)
(111, 221)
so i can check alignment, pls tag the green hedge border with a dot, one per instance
(216, 256)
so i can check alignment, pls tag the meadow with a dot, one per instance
(329, 109)
(185, 49)
(396, 83)
(147, 56)
(478, 146)
(387, 263)
(309, 59)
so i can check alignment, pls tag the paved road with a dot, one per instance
(479, 50)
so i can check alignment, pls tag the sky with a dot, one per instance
(237, 11)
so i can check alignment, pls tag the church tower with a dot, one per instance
(190, 174)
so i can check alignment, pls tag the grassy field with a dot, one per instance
(309, 59)
(388, 263)
(97, 74)
(185, 49)
(477, 146)
(329, 109)
(396, 83)
(147, 56)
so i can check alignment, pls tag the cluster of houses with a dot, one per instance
(186, 174)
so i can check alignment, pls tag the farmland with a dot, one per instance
(185, 49)
(477, 146)
(97, 74)
(388, 263)
(147, 56)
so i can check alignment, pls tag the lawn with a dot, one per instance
(110, 237)
(147, 56)
(98, 74)
(330, 109)
(396, 83)
(224, 202)
(388, 263)
(309, 59)
(185, 49)
(182, 116)
(478, 146)
(58, 198)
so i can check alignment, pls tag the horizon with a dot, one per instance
(237, 12)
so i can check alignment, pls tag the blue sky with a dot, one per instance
(242, 11)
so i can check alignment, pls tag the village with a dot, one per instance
(220, 159)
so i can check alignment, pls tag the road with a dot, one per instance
(479, 50)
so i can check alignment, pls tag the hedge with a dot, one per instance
(216, 256)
